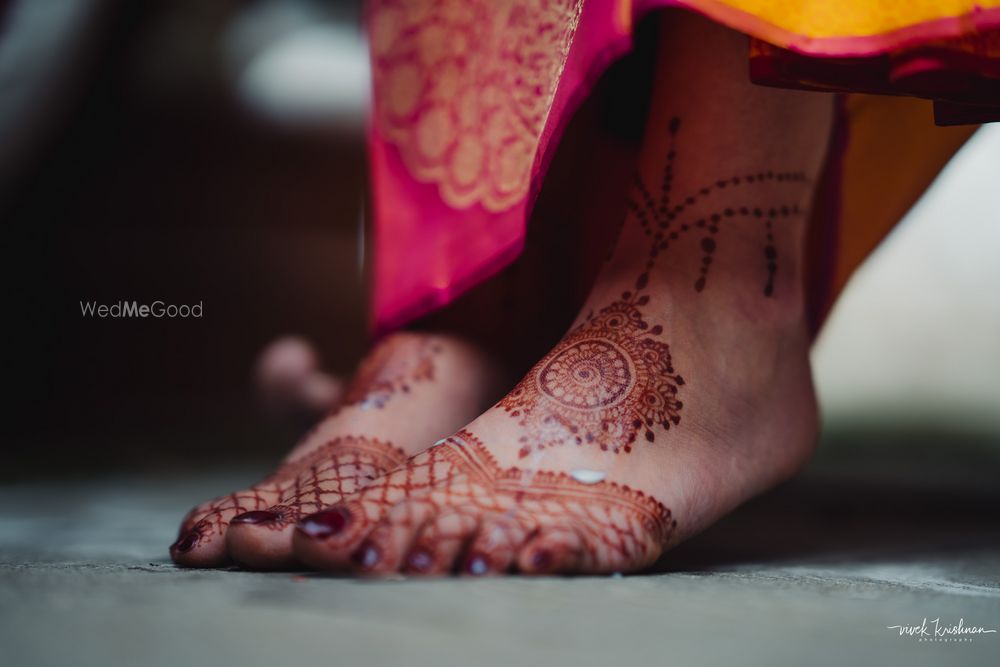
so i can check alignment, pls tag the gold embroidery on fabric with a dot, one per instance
(464, 88)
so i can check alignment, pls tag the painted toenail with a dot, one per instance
(478, 565)
(327, 523)
(186, 542)
(366, 556)
(420, 560)
(541, 560)
(255, 517)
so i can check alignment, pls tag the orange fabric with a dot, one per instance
(893, 153)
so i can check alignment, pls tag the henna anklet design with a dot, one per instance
(664, 223)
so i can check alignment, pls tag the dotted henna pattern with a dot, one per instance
(665, 220)
(612, 378)
(608, 380)
(300, 486)
(456, 488)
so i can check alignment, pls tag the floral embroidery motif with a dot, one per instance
(463, 89)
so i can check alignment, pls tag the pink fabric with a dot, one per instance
(428, 252)
(437, 231)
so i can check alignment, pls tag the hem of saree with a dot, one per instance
(386, 317)
(598, 63)
(845, 46)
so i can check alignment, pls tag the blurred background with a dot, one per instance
(193, 151)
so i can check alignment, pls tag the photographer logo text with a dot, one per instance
(134, 309)
(937, 630)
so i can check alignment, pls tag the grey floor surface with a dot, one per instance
(877, 532)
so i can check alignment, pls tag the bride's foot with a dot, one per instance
(412, 389)
(682, 390)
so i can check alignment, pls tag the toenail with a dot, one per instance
(420, 560)
(327, 523)
(254, 517)
(186, 542)
(477, 565)
(366, 556)
(541, 560)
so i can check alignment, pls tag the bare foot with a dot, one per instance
(411, 390)
(684, 386)
(291, 383)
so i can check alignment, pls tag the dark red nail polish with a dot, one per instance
(419, 560)
(327, 523)
(185, 542)
(541, 560)
(366, 556)
(477, 565)
(255, 517)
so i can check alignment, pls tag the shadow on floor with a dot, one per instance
(870, 495)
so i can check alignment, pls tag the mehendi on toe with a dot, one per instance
(302, 485)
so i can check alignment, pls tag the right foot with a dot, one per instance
(684, 383)
(412, 389)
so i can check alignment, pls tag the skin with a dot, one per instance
(683, 387)
(430, 384)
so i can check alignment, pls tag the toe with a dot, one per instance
(440, 544)
(554, 550)
(201, 541)
(386, 546)
(325, 540)
(262, 540)
(496, 545)
(200, 545)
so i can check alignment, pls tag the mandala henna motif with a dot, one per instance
(303, 484)
(608, 380)
(617, 527)
(385, 372)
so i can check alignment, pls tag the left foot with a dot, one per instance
(412, 387)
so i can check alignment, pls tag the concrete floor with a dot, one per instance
(880, 531)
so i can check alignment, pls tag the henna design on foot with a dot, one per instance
(300, 486)
(382, 374)
(661, 219)
(608, 379)
(456, 493)
(612, 377)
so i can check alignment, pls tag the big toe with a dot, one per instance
(262, 539)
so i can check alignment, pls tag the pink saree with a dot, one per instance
(471, 98)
